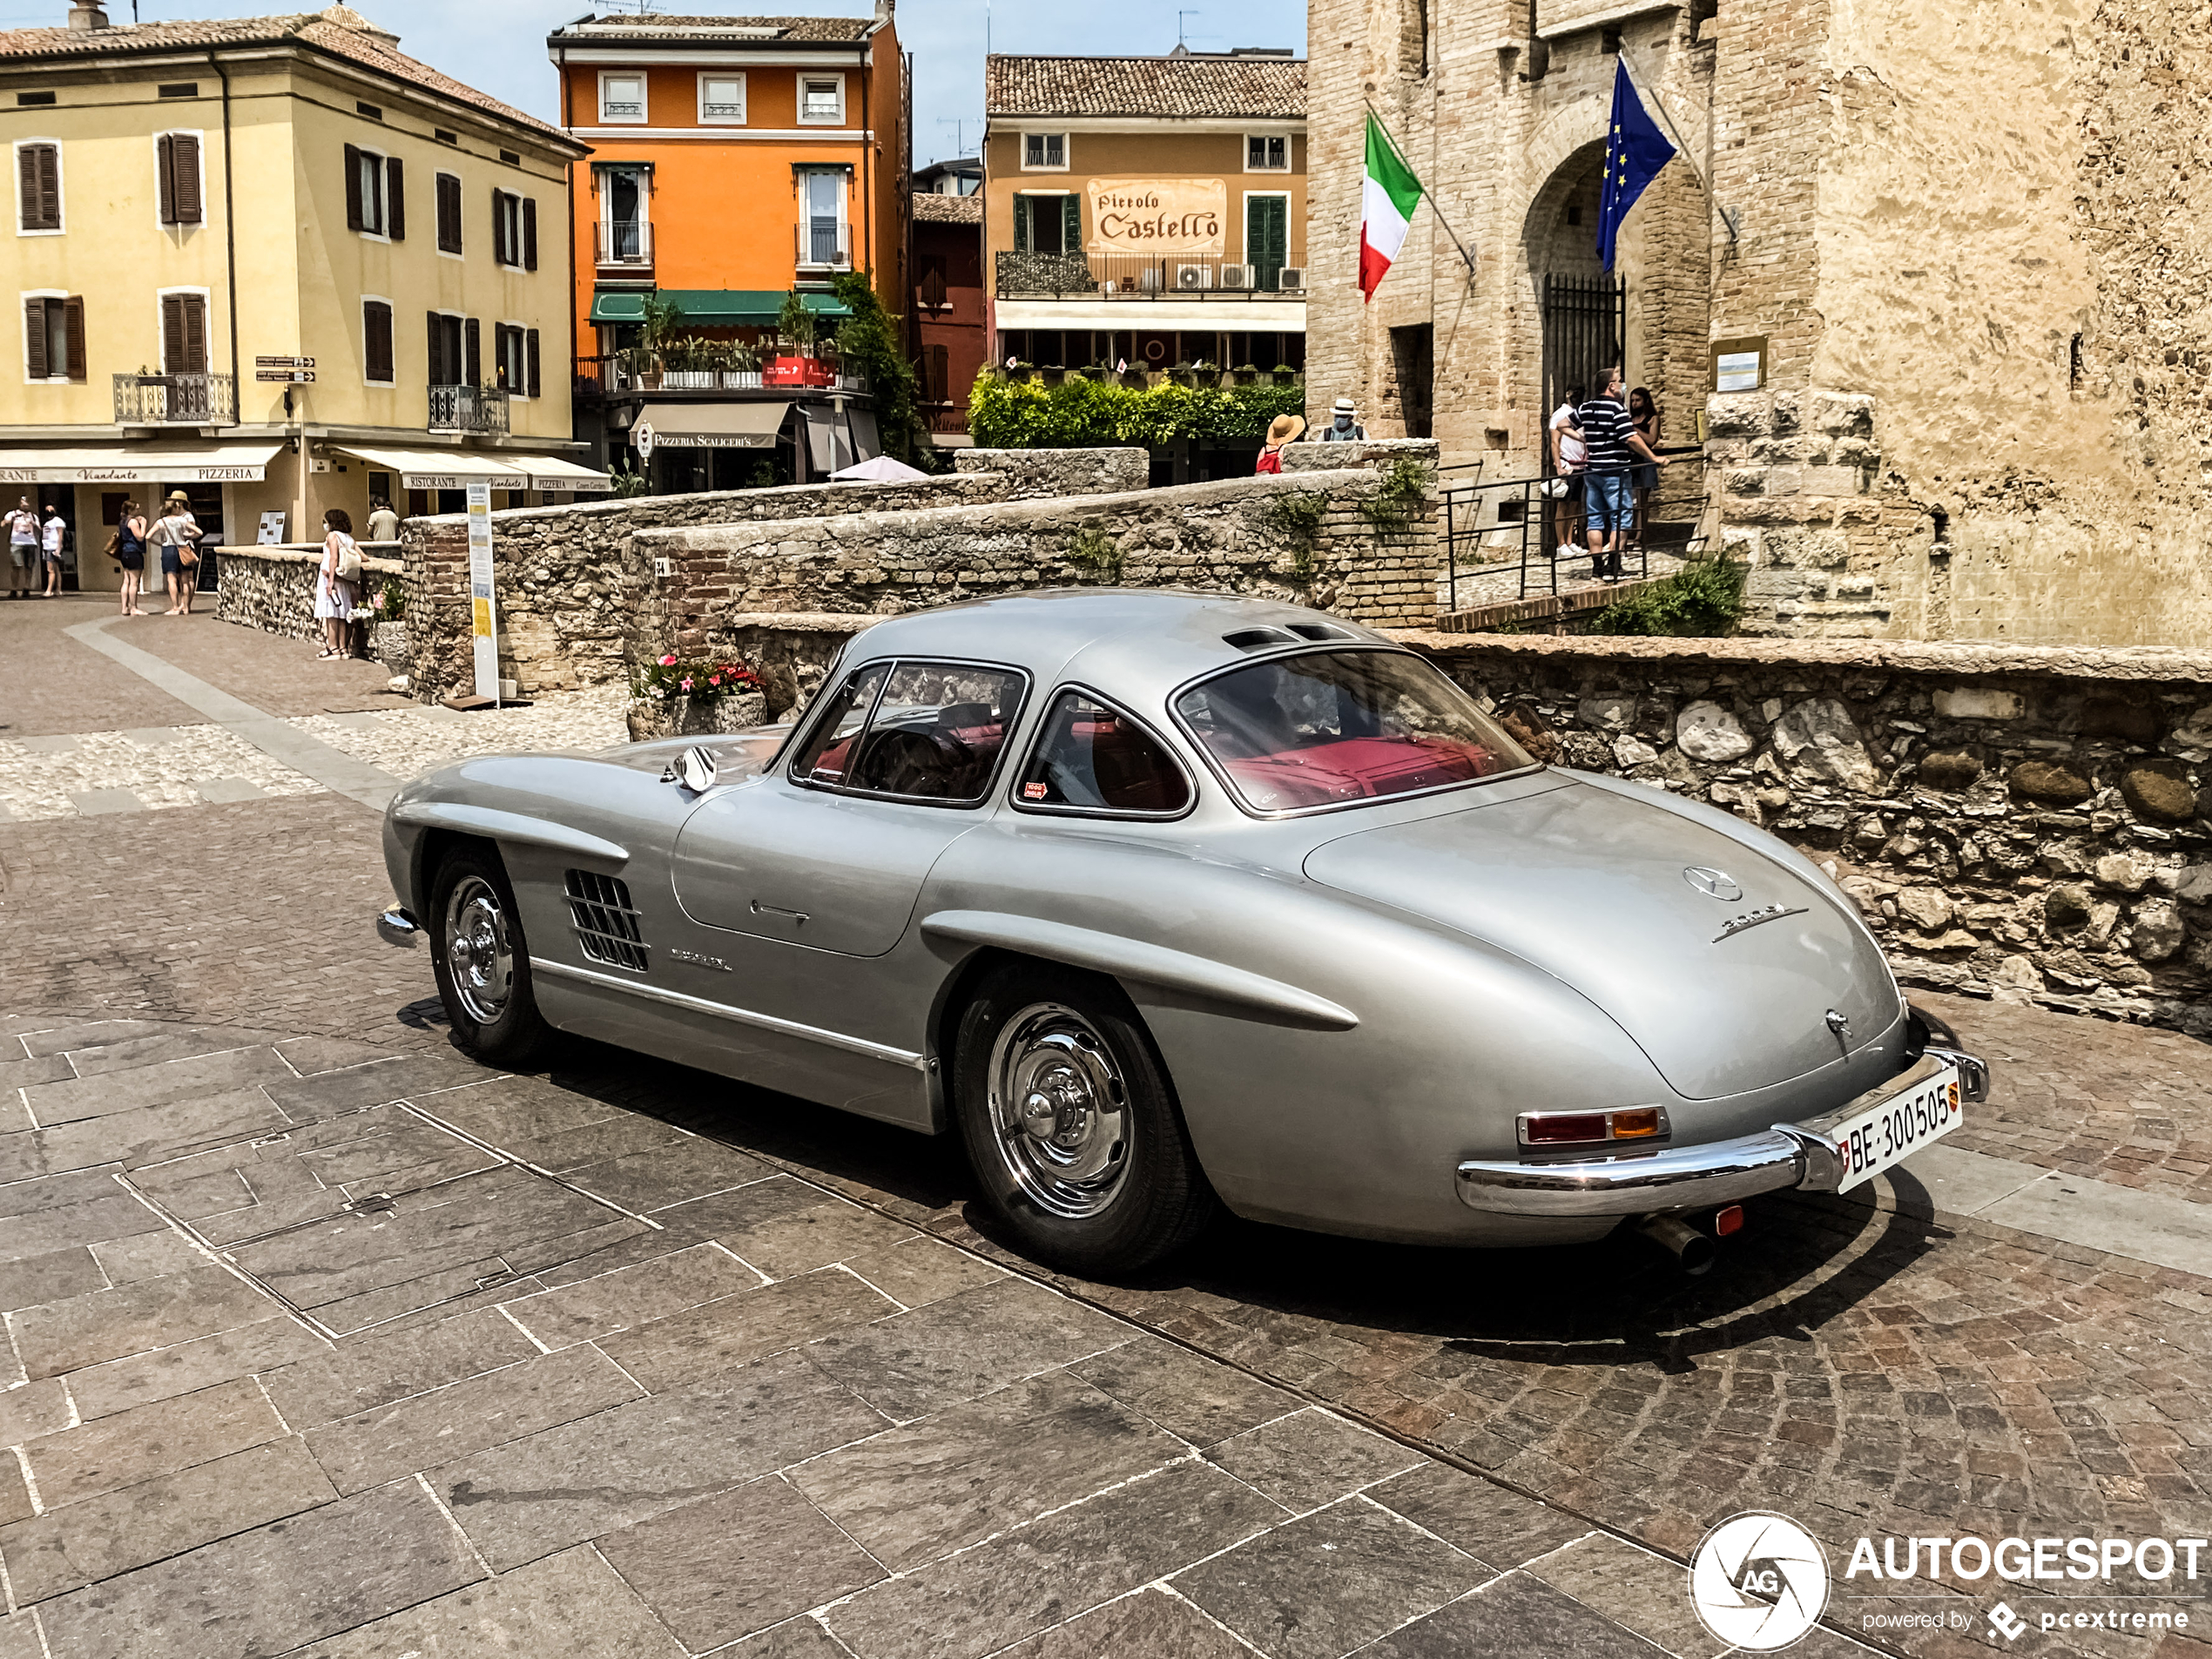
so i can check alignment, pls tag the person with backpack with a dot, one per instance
(338, 586)
(177, 533)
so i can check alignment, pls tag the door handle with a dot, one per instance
(760, 909)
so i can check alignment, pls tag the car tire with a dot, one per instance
(1071, 1122)
(483, 961)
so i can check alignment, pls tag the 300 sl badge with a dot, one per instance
(698, 960)
(1735, 924)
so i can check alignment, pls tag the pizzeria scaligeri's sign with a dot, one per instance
(1158, 216)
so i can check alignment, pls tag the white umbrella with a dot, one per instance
(879, 469)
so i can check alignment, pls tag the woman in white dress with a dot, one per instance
(338, 586)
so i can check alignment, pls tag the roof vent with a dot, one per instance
(87, 14)
(1260, 638)
(1318, 630)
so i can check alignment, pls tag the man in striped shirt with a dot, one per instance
(1609, 498)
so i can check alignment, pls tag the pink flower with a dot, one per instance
(687, 682)
(668, 662)
(714, 679)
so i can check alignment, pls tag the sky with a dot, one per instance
(498, 46)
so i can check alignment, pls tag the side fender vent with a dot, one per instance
(606, 925)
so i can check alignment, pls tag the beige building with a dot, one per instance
(203, 208)
(1146, 210)
(1947, 253)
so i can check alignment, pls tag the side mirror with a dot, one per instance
(694, 769)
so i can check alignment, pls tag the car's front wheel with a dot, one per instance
(482, 962)
(1071, 1124)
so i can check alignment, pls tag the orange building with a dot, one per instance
(733, 159)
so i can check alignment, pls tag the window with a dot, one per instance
(722, 100)
(1267, 154)
(448, 193)
(38, 188)
(622, 194)
(375, 199)
(1051, 223)
(1267, 239)
(53, 338)
(26, 100)
(444, 137)
(179, 89)
(376, 342)
(514, 230)
(368, 110)
(1044, 153)
(821, 100)
(184, 334)
(621, 98)
(447, 364)
(176, 181)
(514, 359)
(1091, 757)
(918, 731)
(822, 237)
(1328, 728)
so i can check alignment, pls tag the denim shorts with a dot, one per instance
(1612, 503)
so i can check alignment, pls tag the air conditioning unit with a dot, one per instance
(1190, 278)
(1237, 276)
(1291, 279)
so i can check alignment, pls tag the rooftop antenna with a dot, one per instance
(1179, 16)
(959, 125)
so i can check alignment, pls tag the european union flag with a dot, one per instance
(1634, 151)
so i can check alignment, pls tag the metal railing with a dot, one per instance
(607, 377)
(176, 399)
(469, 408)
(621, 243)
(825, 245)
(1516, 526)
(1131, 276)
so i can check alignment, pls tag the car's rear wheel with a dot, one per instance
(1071, 1123)
(482, 961)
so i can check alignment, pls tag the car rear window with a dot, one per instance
(918, 731)
(1092, 756)
(1323, 728)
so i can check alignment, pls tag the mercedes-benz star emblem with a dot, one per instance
(1759, 1581)
(1714, 884)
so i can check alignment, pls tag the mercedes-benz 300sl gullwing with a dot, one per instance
(1161, 900)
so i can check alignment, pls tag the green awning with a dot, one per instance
(714, 308)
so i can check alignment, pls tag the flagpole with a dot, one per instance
(1428, 195)
(1654, 101)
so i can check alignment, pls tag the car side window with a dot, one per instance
(827, 754)
(1091, 756)
(918, 731)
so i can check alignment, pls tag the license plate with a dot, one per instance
(1900, 1126)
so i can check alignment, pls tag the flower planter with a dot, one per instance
(694, 717)
(688, 379)
(1205, 376)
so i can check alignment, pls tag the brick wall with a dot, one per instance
(273, 588)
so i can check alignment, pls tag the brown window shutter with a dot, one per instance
(530, 232)
(395, 200)
(376, 339)
(34, 335)
(353, 188)
(164, 171)
(436, 369)
(184, 161)
(498, 229)
(472, 353)
(449, 213)
(27, 188)
(195, 333)
(40, 187)
(529, 357)
(173, 334)
(73, 326)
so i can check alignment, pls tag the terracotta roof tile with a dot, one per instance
(337, 31)
(930, 208)
(653, 27)
(1270, 88)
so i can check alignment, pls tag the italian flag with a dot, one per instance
(1386, 207)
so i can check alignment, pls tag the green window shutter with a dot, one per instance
(1071, 224)
(1022, 223)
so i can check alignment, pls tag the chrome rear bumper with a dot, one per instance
(398, 927)
(1697, 1178)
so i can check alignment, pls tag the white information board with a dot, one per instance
(484, 625)
(272, 531)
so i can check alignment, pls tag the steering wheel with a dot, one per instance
(908, 762)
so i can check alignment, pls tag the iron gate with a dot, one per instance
(1585, 324)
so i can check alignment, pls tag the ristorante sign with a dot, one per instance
(1158, 216)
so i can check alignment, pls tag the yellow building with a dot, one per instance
(204, 208)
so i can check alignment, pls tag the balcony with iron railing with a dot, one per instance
(621, 248)
(479, 410)
(1140, 276)
(176, 399)
(825, 245)
(622, 373)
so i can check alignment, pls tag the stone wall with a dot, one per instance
(273, 588)
(1030, 475)
(2015, 821)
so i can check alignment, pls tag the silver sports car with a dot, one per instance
(1162, 900)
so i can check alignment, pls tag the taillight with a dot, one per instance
(1590, 1128)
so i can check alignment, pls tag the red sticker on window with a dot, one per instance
(1034, 792)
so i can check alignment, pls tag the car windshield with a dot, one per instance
(1327, 727)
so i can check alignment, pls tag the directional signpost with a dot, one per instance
(295, 370)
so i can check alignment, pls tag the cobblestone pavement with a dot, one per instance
(323, 1340)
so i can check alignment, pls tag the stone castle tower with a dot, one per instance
(1964, 241)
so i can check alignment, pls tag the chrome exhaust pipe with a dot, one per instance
(1692, 1251)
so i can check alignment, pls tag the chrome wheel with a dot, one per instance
(477, 954)
(1060, 1111)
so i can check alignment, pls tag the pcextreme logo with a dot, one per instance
(1759, 1581)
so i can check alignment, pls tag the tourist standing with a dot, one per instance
(1281, 432)
(176, 533)
(54, 544)
(131, 554)
(383, 522)
(338, 584)
(1344, 424)
(1569, 455)
(23, 548)
(1643, 415)
(1613, 445)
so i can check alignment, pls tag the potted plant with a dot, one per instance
(1285, 375)
(661, 319)
(1246, 375)
(1052, 375)
(689, 366)
(674, 698)
(794, 363)
(739, 364)
(1204, 372)
(1184, 374)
